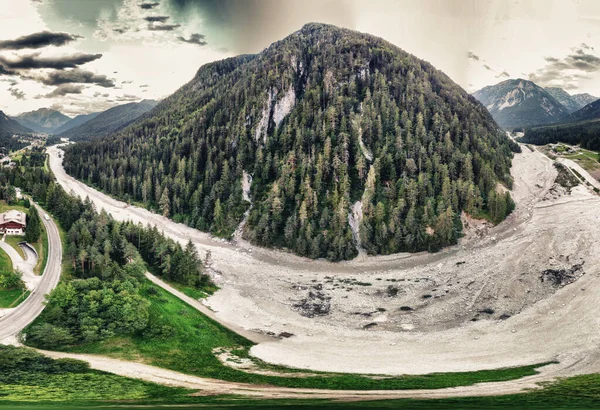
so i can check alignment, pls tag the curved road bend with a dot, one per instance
(20, 317)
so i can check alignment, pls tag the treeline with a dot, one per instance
(586, 134)
(102, 296)
(323, 119)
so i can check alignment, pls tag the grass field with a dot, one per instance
(18, 206)
(587, 159)
(29, 380)
(182, 339)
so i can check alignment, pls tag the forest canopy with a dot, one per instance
(332, 126)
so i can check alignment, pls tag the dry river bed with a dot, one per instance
(479, 305)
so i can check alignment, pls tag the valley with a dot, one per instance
(310, 204)
(493, 279)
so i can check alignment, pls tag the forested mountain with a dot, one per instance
(8, 128)
(588, 113)
(322, 122)
(521, 103)
(584, 99)
(42, 120)
(565, 99)
(75, 122)
(582, 128)
(109, 121)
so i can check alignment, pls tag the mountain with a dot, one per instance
(582, 127)
(75, 122)
(521, 103)
(42, 120)
(109, 121)
(8, 126)
(583, 99)
(339, 139)
(564, 98)
(588, 113)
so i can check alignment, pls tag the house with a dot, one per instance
(12, 222)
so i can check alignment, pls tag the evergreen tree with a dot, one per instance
(33, 229)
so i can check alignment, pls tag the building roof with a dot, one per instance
(12, 216)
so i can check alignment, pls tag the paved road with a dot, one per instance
(26, 312)
(25, 266)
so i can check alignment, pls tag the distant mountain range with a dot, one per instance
(109, 121)
(571, 102)
(584, 99)
(521, 103)
(75, 122)
(42, 120)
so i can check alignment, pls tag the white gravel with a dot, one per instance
(259, 288)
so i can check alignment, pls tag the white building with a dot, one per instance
(13, 222)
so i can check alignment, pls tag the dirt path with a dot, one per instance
(206, 386)
(419, 313)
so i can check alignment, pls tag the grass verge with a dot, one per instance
(29, 380)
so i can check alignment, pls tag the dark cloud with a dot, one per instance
(472, 56)
(156, 19)
(126, 82)
(487, 67)
(75, 75)
(568, 71)
(194, 39)
(63, 90)
(144, 86)
(148, 6)
(33, 61)
(38, 40)
(4, 71)
(99, 94)
(18, 94)
(504, 74)
(163, 27)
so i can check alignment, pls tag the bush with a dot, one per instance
(10, 280)
(47, 336)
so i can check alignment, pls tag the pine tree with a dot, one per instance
(33, 229)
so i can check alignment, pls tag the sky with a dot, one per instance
(83, 56)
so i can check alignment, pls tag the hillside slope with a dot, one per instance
(42, 120)
(109, 121)
(565, 99)
(584, 99)
(582, 127)
(521, 103)
(322, 122)
(8, 126)
(75, 122)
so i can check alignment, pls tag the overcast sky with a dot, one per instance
(81, 56)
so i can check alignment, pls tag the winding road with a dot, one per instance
(20, 317)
